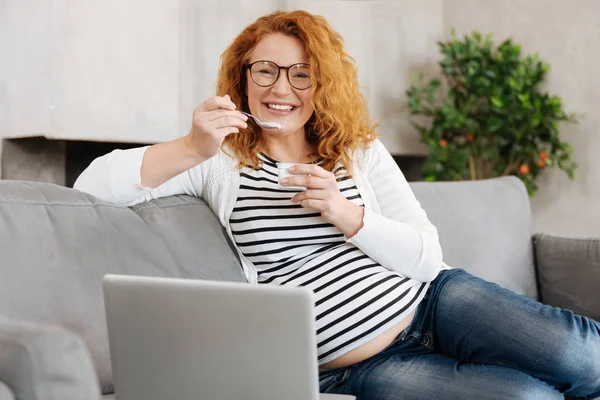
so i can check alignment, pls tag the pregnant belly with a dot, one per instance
(372, 347)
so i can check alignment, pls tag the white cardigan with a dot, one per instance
(396, 232)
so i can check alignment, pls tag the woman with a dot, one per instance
(393, 321)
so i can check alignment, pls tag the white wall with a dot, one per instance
(132, 71)
(25, 67)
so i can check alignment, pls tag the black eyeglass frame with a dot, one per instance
(287, 75)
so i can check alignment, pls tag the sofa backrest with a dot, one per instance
(56, 244)
(484, 228)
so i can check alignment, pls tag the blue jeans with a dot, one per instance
(472, 339)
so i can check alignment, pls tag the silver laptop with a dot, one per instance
(188, 339)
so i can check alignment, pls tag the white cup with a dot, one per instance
(282, 172)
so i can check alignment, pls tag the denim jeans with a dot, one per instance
(472, 339)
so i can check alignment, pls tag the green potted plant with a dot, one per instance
(492, 119)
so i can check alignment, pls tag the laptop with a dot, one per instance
(186, 339)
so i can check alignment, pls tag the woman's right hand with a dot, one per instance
(212, 121)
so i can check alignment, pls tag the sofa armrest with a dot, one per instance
(45, 362)
(568, 272)
(5, 392)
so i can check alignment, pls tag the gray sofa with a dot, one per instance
(56, 244)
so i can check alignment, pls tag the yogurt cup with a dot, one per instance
(282, 172)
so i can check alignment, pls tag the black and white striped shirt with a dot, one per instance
(356, 298)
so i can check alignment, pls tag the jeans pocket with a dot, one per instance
(337, 380)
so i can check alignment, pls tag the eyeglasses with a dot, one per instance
(265, 73)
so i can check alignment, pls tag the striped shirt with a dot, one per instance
(356, 298)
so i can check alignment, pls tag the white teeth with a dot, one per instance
(279, 107)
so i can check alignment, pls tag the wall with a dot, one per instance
(133, 71)
(567, 35)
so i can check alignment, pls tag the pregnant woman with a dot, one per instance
(393, 321)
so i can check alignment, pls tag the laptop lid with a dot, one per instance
(189, 339)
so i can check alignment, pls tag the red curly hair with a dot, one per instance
(341, 119)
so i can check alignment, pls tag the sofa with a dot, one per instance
(57, 243)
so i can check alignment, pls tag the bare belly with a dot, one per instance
(372, 347)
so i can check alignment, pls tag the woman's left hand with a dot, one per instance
(323, 194)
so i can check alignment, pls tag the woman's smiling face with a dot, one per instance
(280, 102)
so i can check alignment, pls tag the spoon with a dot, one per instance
(266, 125)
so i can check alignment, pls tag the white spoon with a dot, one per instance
(266, 125)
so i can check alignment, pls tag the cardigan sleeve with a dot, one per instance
(115, 177)
(400, 238)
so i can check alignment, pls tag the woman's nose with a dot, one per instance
(282, 86)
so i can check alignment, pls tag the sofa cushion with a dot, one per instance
(569, 273)
(485, 228)
(57, 244)
(45, 363)
(189, 228)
